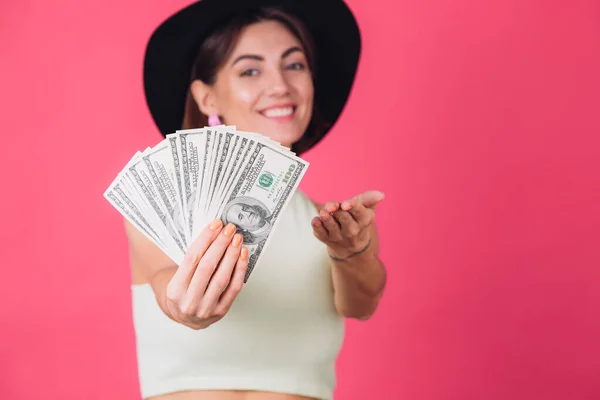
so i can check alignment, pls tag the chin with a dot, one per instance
(289, 138)
(286, 135)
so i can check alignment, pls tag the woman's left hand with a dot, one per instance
(346, 227)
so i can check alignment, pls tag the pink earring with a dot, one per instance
(213, 120)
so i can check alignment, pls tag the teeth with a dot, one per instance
(279, 112)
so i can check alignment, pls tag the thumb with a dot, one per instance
(370, 198)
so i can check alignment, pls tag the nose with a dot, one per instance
(246, 214)
(277, 85)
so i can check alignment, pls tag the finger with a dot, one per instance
(362, 215)
(370, 198)
(348, 226)
(222, 276)
(235, 285)
(208, 263)
(332, 206)
(183, 275)
(319, 230)
(331, 225)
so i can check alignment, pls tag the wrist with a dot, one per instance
(159, 282)
(343, 255)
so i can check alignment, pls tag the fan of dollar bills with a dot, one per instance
(171, 191)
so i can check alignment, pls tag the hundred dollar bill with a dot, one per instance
(129, 207)
(251, 139)
(232, 164)
(222, 139)
(145, 182)
(215, 140)
(178, 170)
(261, 193)
(236, 168)
(199, 216)
(210, 173)
(159, 163)
(139, 222)
(223, 154)
(129, 188)
(192, 144)
(137, 196)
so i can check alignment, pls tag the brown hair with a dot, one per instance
(217, 48)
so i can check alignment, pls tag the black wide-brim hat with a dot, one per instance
(172, 48)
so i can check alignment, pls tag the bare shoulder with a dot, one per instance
(145, 257)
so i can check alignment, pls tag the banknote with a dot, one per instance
(146, 182)
(172, 190)
(133, 208)
(262, 191)
(199, 216)
(160, 166)
(193, 155)
(232, 166)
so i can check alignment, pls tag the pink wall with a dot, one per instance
(478, 119)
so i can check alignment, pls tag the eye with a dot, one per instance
(296, 66)
(249, 72)
(240, 217)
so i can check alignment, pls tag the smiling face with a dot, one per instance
(265, 85)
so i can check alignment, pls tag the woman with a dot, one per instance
(283, 69)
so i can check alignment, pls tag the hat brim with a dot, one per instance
(172, 48)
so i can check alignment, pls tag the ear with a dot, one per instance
(205, 97)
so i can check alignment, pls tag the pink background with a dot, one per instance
(478, 119)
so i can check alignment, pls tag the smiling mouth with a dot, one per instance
(285, 113)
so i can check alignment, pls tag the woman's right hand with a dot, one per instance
(210, 277)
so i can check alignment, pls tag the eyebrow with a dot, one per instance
(259, 58)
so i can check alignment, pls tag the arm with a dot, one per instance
(150, 264)
(359, 280)
(359, 276)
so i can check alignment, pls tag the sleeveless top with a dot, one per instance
(282, 333)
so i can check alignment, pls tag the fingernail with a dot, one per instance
(216, 224)
(244, 254)
(237, 240)
(317, 222)
(229, 229)
(346, 206)
(324, 216)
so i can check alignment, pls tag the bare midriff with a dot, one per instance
(228, 395)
